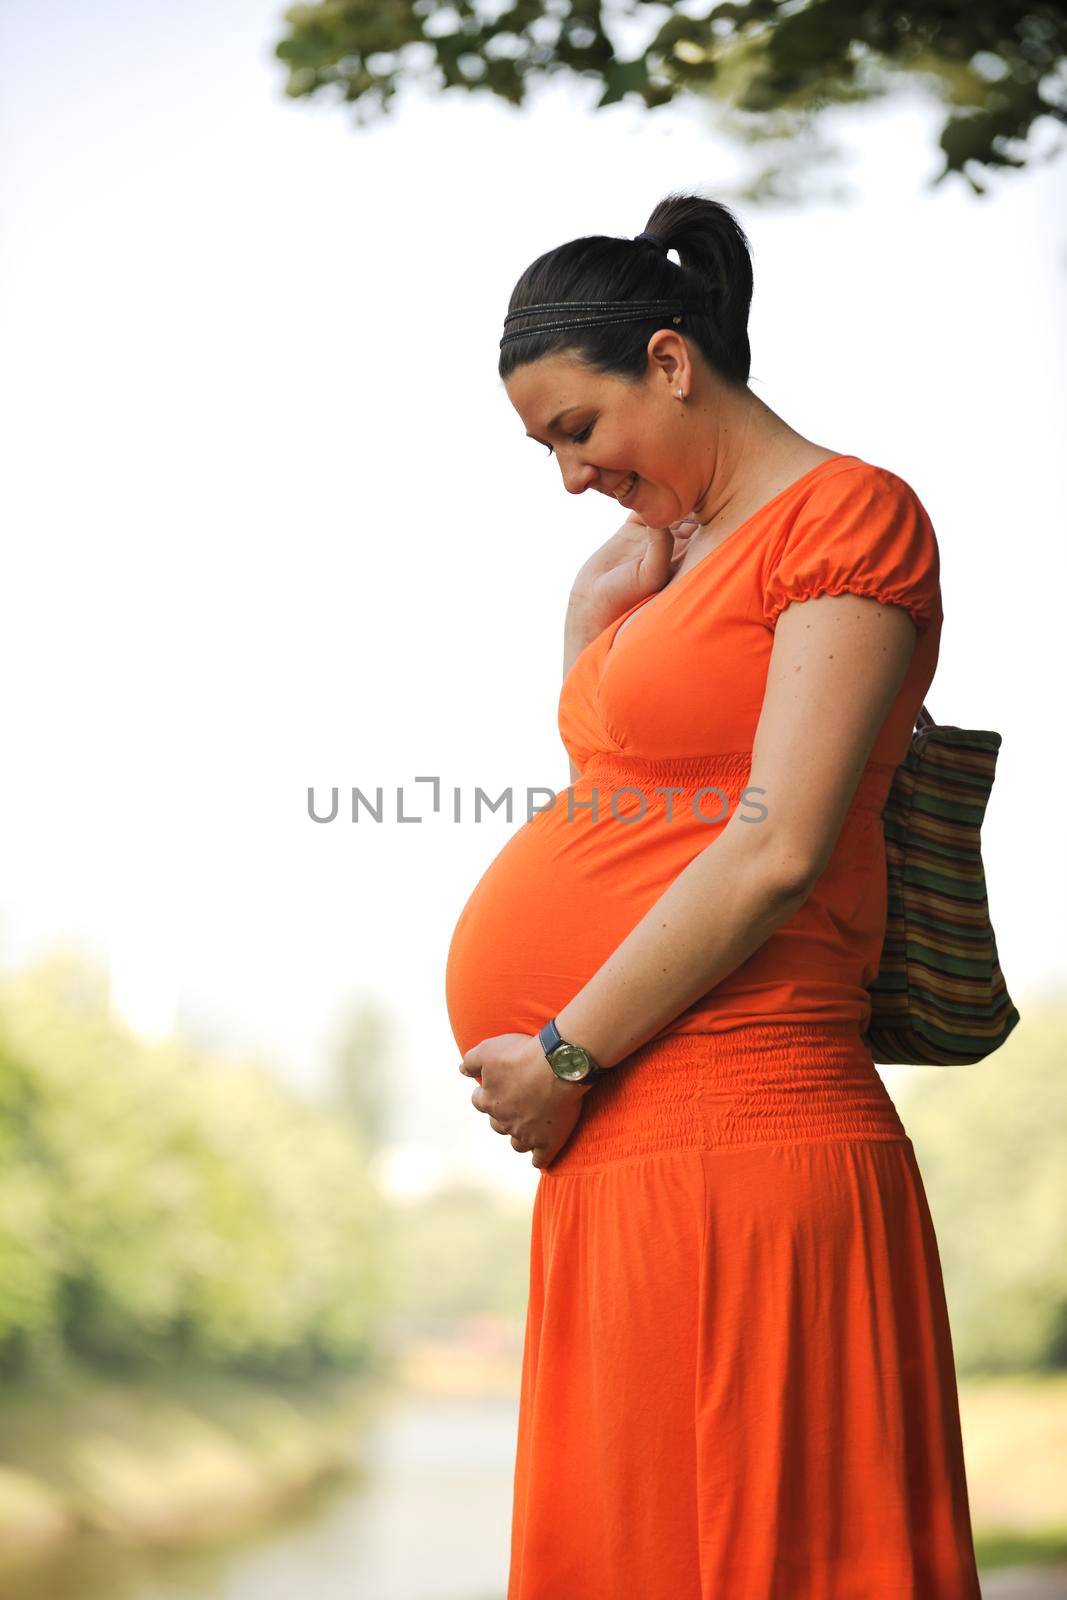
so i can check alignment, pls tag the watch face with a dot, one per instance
(570, 1061)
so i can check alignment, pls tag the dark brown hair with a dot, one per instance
(715, 276)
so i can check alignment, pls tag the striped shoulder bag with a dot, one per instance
(939, 998)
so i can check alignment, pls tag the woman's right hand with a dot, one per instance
(632, 565)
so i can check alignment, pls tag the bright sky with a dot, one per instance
(272, 521)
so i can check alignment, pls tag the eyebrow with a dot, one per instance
(554, 423)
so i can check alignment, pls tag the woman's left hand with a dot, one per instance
(522, 1096)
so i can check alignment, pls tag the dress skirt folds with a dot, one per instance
(738, 1379)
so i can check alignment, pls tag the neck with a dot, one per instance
(747, 439)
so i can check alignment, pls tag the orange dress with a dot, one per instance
(738, 1378)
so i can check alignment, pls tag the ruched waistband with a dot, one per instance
(775, 1083)
(728, 771)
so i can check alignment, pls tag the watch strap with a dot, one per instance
(550, 1039)
(550, 1036)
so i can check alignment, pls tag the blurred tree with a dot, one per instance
(362, 1073)
(157, 1203)
(773, 65)
(990, 1144)
(30, 1262)
(459, 1250)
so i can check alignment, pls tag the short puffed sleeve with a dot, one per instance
(861, 530)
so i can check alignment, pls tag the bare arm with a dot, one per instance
(837, 665)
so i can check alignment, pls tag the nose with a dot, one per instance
(576, 476)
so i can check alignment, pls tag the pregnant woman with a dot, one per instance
(738, 1378)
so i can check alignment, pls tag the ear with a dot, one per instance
(668, 355)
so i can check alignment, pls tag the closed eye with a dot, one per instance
(575, 438)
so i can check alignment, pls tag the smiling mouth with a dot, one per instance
(627, 488)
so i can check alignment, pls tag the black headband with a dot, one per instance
(605, 311)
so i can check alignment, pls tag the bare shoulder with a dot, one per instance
(784, 472)
(814, 456)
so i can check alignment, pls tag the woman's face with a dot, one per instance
(633, 441)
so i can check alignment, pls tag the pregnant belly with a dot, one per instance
(569, 886)
(560, 896)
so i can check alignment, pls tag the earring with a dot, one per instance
(679, 393)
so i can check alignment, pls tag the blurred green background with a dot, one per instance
(207, 1302)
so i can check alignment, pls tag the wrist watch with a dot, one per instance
(570, 1062)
